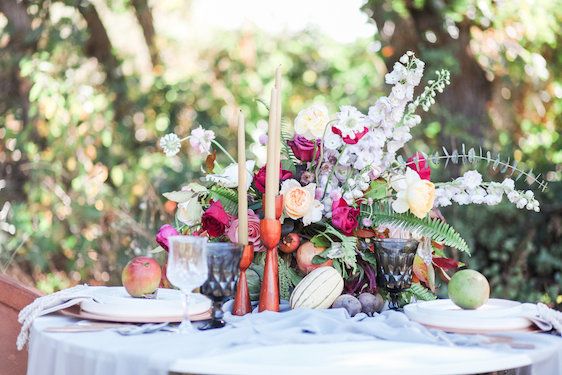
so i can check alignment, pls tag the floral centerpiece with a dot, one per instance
(343, 182)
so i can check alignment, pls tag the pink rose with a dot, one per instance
(163, 235)
(253, 231)
(304, 149)
(259, 178)
(344, 217)
(418, 163)
(215, 219)
(347, 139)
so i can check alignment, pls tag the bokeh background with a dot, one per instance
(88, 87)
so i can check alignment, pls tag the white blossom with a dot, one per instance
(200, 139)
(469, 189)
(471, 179)
(332, 141)
(350, 122)
(170, 144)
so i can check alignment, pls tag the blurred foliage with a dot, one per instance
(506, 60)
(79, 124)
(84, 172)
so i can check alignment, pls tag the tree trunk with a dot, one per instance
(99, 46)
(466, 99)
(14, 90)
(19, 27)
(144, 17)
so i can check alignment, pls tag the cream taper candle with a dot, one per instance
(242, 183)
(271, 180)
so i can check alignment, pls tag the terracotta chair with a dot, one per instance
(13, 297)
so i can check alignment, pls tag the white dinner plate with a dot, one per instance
(116, 302)
(494, 316)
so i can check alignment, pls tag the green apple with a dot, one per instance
(469, 289)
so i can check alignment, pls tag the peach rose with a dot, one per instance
(413, 193)
(421, 198)
(299, 202)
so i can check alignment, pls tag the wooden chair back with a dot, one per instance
(13, 297)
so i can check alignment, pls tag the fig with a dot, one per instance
(469, 289)
(371, 303)
(290, 243)
(348, 302)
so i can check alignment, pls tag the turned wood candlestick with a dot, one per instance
(242, 304)
(269, 293)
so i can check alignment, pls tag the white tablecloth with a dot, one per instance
(106, 352)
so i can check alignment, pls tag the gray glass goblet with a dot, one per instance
(395, 259)
(223, 260)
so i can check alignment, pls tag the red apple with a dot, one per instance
(141, 276)
(290, 243)
(305, 253)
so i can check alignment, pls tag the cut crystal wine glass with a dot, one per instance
(187, 270)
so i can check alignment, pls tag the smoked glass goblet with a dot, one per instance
(187, 270)
(395, 259)
(223, 260)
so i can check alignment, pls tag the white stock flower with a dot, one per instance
(462, 191)
(332, 141)
(312, 121)
(508, 184)
(200, 139)
(170, 144)
(471, 179)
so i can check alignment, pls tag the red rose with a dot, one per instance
(347, 139)
(215, 219)
(304, 149)
(418, 163)
(344, 217)
(259, 178)
(164, 233)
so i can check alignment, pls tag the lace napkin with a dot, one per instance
(48, 304)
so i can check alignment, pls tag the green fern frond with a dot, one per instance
(434, 228)
(421, 293)
(228, 198)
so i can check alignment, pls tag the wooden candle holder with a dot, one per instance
(242, 304)
(269, 293)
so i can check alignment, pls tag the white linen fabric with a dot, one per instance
(107, 352)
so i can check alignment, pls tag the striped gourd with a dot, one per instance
(318, 290)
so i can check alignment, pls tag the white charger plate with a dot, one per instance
(116, 302)
(496, 315)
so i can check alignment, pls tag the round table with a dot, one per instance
(107, 352)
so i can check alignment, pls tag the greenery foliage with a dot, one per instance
(435, 229)
(79, 123)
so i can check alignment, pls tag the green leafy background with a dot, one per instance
(79, 122)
